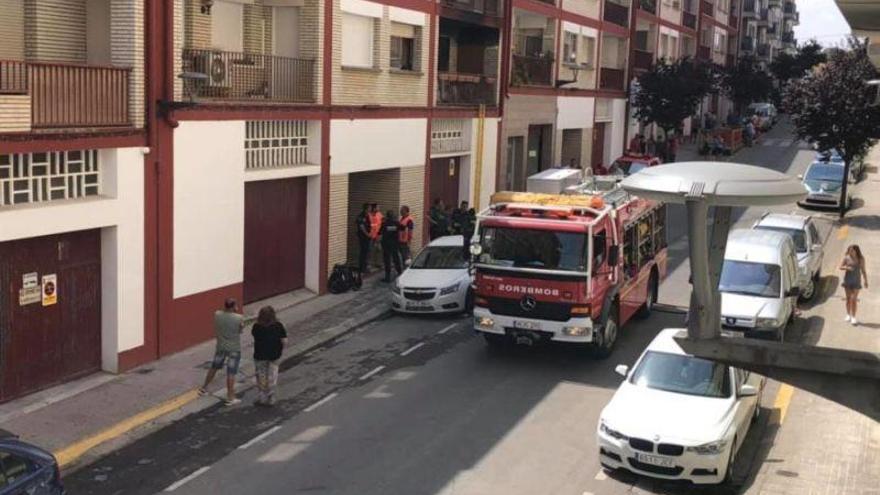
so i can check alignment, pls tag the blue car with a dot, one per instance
(26, 469)
(833, 156)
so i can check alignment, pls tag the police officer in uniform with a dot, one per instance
(390, 238)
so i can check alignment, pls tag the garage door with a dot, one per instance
(41, 345)
(275, 237)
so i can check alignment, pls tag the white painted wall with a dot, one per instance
(490, 162)
(208, 206)
(616, 145)
(313, 234)
(120, 215)
(376, 144)
(574, 112)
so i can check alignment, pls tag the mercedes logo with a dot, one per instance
(528, 303)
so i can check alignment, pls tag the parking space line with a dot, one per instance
(450, 327)
(601, 476)
(320, 402)
(843, 232)
(783, 399)
(259, 437)
(373, 372)
(411, 349)
(179, 483)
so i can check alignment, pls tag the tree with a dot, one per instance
(746, 83)
(787, 66)
(832, 107)
(670, 92)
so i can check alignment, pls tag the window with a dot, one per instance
(48, 176)
(646, 240)
(590, 51)
(536, 249)
(814, 234)
(660, 228)
(357, 40)
(569, 48)
(682, 374)
(630, 268)
(276, 143)
(750, 279)
(599, 247)
(13, 468)
(440, 258)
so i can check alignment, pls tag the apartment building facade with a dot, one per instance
(768, 29)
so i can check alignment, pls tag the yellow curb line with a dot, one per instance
(783, 399)
(74, 451)
(843, 232)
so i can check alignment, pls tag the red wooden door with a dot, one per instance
(274, 237)
(445, 175)
(43, 345)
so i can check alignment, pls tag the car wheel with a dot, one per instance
(809, 291)
(605, 339)
(650, 298)
(469, 302)
(495, 341)
(731, 462)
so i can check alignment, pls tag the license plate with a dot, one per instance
(655, 460)
(418, 306)
(526, 325)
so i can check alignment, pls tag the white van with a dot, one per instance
(758, 283)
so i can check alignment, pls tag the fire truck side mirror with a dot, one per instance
(613, 255)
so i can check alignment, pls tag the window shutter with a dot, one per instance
(396, 51)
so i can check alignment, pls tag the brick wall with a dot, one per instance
(379, 86)
(379, 186)
(15, 113)
(337, 247)
(127, 50)
(311, 39)
(55, 30)
(257, 29)
(197, 26)
(179, 28)
(412, 194)
(11, 30)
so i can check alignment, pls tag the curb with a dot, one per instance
(70, 454)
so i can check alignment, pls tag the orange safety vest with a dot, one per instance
(406, 224)
(375, 224)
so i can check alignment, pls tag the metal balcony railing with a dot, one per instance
(643, 59)
(466, 89)
(649, 6)
(486, 7)
(788, 37)
(69, 95)
(532, 71)
(748, 44)
(235, 76)
(611, 78)
(616, 13)
(689, 20)
(708, 8)
(789, 8)
(763, 50)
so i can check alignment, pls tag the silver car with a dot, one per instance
(824, 182)
(808, 247)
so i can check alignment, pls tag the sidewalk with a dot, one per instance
(814, 446)
(80, 420)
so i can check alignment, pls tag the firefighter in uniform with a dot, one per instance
(407, 225)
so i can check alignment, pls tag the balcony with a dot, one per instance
(465, 89)
(611, 78)
(483, 7)
(749, 9)
(747, 44)
(763, 50)
(532, 70)
(689, 20)
(69, 95)
(774, 3)
(788, 37)
(704, 53)
(707, 8)
(247, 77)
(789, 9)
(616, 13)
(649, 6)
(772, 30)
(642, 59)
(763, 17)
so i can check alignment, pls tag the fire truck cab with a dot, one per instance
(569, 267)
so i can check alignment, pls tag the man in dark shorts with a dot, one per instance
(228, 324)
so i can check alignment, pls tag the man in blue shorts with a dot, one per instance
(228, 324)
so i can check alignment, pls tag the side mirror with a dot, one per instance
(748, 391)
(817, 247)
(476, 248)
(801, 176)
(622, 370)
(793, 292)
(614, 255)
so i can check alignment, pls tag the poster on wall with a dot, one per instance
(29, 280)
(29, 295)
(50, 289)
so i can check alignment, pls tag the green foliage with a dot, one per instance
(670, 92)
(746, 83)
(787, 67)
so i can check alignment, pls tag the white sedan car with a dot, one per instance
(437, 281)
(678, 417)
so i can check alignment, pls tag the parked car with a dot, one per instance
(807, 245)
(758, 283)
(678, 417)
(767, 115)
(856, 168)
(824, 182)
(627, 165)
(27, 469)
(437, 281)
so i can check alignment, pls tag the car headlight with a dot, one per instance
(452, 289)
(484, 322)
(603, 427)
(711, 448)
(395, 288)
(766, 323)
(575, 331)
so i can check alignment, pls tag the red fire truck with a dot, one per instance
(567, 267)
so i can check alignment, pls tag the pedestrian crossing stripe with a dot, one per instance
(778, 142)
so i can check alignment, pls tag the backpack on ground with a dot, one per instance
(340, 280)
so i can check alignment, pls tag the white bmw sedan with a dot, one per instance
(678, 417)
(437, 281)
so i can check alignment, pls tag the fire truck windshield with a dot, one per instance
(536, 249)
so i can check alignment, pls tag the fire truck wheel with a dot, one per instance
(495, 341)
(605, 340)
(650, 298)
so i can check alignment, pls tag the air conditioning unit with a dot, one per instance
(218, 70)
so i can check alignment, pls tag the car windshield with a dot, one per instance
(682, 375)
(797, 235)
(440, 258)
(542, 249)
(751, 279)
(825, 172)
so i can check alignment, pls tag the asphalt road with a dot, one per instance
(420, 406)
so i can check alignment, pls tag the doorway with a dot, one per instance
(515, 163)
(598, 146)
(539, 151)
(445, 179)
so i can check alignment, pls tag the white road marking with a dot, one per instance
(179, 483)
(450, 327)
(259, 437)
(411, 349)
(371, 373)
(320, 402)
(601, 476)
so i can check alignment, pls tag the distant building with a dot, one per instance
(864, 19)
